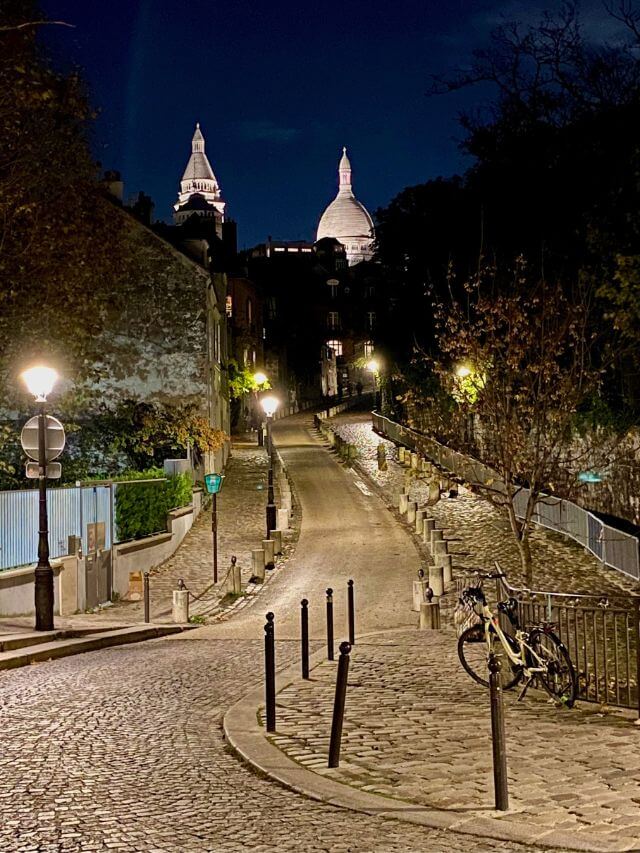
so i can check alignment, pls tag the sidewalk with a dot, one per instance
(241, 527)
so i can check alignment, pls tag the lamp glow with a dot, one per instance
(463, 370)
(39, 381)
(269, 404)
(373, 365)
(260, 378)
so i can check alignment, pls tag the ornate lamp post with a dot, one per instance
(260, 380)
(40, 381)
(270, 404)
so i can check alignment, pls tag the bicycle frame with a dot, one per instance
(490, 620)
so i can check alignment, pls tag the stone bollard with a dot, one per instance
(430, 615)
(429, 525)
(440, 548)
(257, 563)
(269, 554)
(447, 568)
(286, 501)
(436, 580)
(403, 503)
(236, 575)
(414, 460)
(436, 536)
(419, 592)
(419, 520)
(412, 508)
(381, 453)
(401, 450)
(434, 492)
(181, 604)
(283, 519)
(276, 535)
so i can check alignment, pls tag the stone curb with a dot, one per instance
(249, 740)
(76, 646)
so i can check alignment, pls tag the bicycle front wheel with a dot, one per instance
(472, 651)
(559, 678)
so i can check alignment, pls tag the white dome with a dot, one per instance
(346, 219)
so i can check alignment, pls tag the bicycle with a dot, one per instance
(535, 655)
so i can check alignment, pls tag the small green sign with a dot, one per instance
(213, 483)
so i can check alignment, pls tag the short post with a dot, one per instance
(428, 526)
(276, 535)
(636, 631)
(419, 520)
(180, 610)
(419, 590)
(500, 781)
(257, 558)
(412, 507)
(440, 549)
(338, 705)
(283, 519)
(430, 613)
(236, 576)
(447, 568)
(270, 672)
(304, 636)
(403, 502)
(145, 587)
(268, 546)
(436, 580)
(330, 624)
(351, 614)
(401, 453)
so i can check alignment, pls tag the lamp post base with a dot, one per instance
(44, 598)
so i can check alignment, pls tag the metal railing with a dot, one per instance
(601, 634)
(612, 546)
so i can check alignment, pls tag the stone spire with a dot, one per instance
(344, 170)
(199, 189)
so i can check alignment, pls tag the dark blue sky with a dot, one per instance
(278, 88)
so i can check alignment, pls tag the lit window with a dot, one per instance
(292, 249)
(278, 249)
(336, 346)
(307, 250)
(249, 312)
(229, 305)
(333, 319)
(368, 349)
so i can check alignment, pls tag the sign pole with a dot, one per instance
(43, 572)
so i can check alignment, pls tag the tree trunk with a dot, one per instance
(525, 558)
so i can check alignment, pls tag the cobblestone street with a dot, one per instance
(123, 750)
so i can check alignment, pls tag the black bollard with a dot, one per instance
(352, 614)
(270, 673)
(330, 655)
(145, 588)
(500, 782)
(304, 619)
(338, 705)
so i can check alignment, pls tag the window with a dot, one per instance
(271, 308)
(249, 312)
(229, 306)
(333, 287)
(278, 249)
(333, 320)
(336, 346)
(371, 319)
(368, 349)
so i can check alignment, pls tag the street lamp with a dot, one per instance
(373, 365)
(260, 379)
(213, 484)
(40, 381)
(270, 404)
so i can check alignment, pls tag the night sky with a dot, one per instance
(278, 88)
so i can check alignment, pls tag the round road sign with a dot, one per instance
(54, 439)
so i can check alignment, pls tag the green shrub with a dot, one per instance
(141, 508)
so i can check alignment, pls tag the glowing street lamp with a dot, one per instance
(373, 365)
(463, 370)
(213, 484)
(40, 381)
(270, 404)
(260, 378)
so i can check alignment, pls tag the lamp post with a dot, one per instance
(260, 379)
(270, 404)
(213, 484)
(40, 381)
(374, 367)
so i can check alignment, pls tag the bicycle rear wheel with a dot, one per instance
(472, 651)
(560, 680)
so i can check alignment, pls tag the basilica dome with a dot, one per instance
(347, 220)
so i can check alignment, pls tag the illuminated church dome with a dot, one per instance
(347, 220)
(199, 189)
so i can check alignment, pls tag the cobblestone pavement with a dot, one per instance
(482, 534)
(417, 728)
(122, 750)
